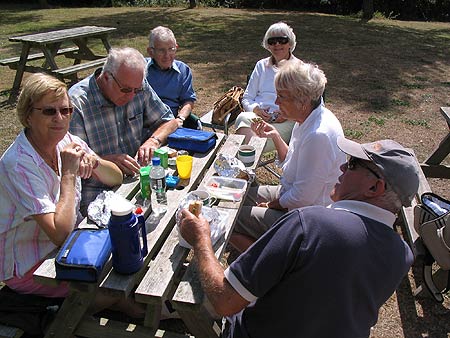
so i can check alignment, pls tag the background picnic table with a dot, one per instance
(386, 79)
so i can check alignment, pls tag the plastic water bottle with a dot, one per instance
(158, 186)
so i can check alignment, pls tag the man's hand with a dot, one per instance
(145, 153)
(194, 229)
(126, 163)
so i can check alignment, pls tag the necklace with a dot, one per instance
(52, 160)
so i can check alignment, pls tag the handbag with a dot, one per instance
(83, 255)
(432, 223)
(198, 141)
(228, 103)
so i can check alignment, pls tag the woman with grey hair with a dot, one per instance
(310, 162)
(259, 96)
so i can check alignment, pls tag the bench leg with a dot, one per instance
(19, 73)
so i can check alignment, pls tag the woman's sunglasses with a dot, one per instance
(282, 40)
(353, 162)
(52, 111)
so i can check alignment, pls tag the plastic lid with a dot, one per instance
(156, 161)
(121, 207)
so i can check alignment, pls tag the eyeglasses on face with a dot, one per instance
(282, 40)
(126, 90)
(50, 111)
(353, 162)
(163, 51)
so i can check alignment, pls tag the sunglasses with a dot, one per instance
(353, 162)
(53, 111)
(282, 40)
(126, 90)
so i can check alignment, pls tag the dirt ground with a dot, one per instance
(386, 79)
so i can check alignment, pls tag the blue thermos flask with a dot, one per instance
(124, 228)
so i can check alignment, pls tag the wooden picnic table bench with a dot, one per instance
(50, 45)
(432, 166)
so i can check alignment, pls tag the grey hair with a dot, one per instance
(128, 57)
(301, 79)
(160, 33)
(389, 200)
(280, 29)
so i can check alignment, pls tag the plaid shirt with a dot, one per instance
(109, 129)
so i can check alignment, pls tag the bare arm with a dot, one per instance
(59, 224)
(158, 138)
(223, 297)
(186, 109)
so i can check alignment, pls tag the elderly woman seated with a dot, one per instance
(310, 164)
(40, 189)
(259, 96)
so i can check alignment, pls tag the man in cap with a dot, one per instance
(318, 272)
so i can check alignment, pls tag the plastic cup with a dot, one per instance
(184, 166)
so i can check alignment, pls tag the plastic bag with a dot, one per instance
(217, 220)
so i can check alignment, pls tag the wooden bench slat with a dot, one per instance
(64, 72)
(15, 60)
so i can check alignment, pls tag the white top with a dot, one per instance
(260, 90)
(311, 166)
(28, 187)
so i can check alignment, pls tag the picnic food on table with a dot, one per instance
(195, 207)
(257, 119)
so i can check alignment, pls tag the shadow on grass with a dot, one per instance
(364, 61)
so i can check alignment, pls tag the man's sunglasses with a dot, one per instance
(52, 111)
(126, 90)
(353, 162)
(282, 40)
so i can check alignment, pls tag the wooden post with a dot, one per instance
(192, 4)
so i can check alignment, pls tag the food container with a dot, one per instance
(226, 188)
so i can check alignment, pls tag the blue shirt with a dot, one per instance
(174, 85)
(110, 129)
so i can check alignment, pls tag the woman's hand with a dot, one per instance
(71, 157)
(263, 129)
(263, 113)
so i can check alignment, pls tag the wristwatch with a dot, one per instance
(181, 118)
(157, 139)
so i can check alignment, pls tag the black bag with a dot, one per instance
(30, 313)
(83, 255)
(198, 141)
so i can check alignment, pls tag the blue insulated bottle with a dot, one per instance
(124, 228)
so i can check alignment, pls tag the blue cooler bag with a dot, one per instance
(198, 141)
(83, 255)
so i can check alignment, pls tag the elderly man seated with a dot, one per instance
(325, 270)
(171, 79)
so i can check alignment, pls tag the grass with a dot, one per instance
(386, 79)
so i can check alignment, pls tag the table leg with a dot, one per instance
(19, 72)
(106, 43)
(72, 311)
(432, 167)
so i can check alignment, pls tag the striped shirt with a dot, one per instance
(110, 129)
(28, 187)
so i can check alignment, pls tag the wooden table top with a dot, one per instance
(63, 34)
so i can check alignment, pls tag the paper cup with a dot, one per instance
(204, 196)
(246, 154)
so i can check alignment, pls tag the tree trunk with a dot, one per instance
(192, 4)
(43, 4)
(368, 9)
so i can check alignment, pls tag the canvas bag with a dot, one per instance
(230, 102)
(432, 223)
(83, 255)
(198, 141)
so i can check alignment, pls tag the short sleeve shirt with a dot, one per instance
(319, 272)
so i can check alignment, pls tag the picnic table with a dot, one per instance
(162, 264)
(71, 43)
(432, 166)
